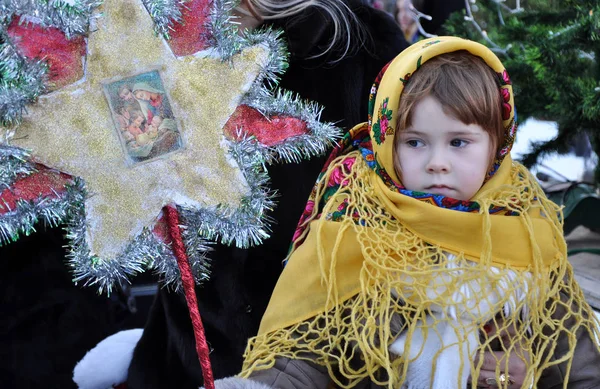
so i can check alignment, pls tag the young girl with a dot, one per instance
(421, 235)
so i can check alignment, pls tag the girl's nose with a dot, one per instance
(438, 164)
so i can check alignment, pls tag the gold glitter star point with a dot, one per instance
(76, 129)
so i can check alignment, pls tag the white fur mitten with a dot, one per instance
(423, 347)
(435, 349)
(107, 364)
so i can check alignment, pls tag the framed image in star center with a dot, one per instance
(143, 117)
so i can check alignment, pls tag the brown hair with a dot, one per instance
(466, 87)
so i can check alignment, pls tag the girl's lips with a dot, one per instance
(441, 190)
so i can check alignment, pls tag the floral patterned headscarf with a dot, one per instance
(375, 139)
(385, 98)
(387, 90)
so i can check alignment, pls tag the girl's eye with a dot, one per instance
(414, 143)
(458, 143)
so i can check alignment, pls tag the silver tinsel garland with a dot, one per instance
(321, 137)
(72, 19)
(146, 251)
(13, 163)
(23, 218)
(223, 31)
(21, 81)
(277, 61)
(243, 226)
(165, 14)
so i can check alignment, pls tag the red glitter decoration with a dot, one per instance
(161, 229)
(191, 35)
(268, 131)
(46, 183)
(65, 57)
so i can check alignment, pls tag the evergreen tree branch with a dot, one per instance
(493, 46)
(554, 63)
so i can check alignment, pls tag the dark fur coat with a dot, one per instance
(232, 302)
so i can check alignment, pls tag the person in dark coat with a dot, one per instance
(47, 323)
(233, 301)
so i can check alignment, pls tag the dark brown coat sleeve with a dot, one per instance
(585, 368)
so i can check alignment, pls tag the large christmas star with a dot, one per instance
(74, 130)
(145, 129)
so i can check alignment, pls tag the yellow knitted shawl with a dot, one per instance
(372, 260)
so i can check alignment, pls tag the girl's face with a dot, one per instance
(441, 155)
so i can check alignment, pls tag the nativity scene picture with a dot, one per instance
(143, 117)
